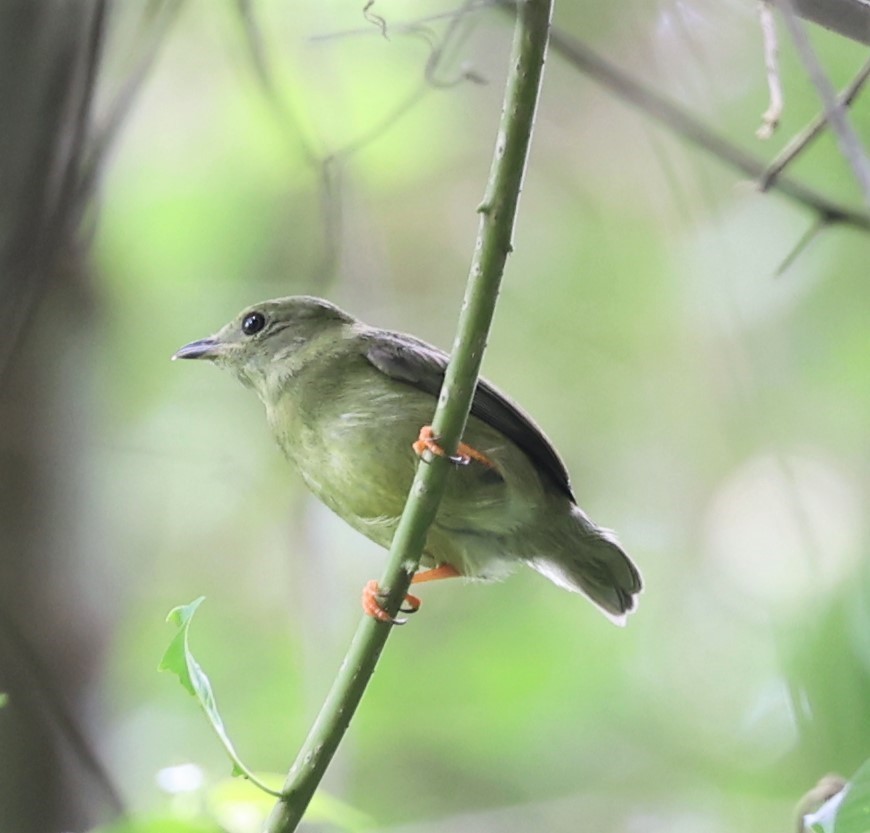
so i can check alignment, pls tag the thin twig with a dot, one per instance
(438, 51)
(288, 119)
(806, 136)
(847, 139)
(683, 124)
(433, 64)
(497, 211)
(156, 22)
(378, 130)
(400, 29)
(800, 247)
(290, 125)
(375, 19)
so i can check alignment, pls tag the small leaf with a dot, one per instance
(4, 699)
(854, 813)
(175, 657)
(846, 812)
(825, 818)
(179, 660)
(228, 801)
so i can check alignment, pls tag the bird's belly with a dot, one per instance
(361, 465)
(361, 471)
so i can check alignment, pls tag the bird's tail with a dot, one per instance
(589, 559)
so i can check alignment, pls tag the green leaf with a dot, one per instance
(4, 699)
(825, 818)
(229, 800)
(848, 811)
(179, 660)
(854, 813)
(176, 655)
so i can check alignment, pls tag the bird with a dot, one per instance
(349, 405)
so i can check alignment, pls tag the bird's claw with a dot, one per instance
(427, 441)
(373, 600)
(412, 604)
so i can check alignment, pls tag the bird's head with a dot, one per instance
(268, 342)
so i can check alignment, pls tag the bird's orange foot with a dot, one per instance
(371, 604)
(464, 453)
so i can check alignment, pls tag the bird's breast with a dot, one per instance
(355, 457)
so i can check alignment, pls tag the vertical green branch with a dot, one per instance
(497, 211)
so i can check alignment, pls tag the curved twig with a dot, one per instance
(497, 211)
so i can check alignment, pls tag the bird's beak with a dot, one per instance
(205, 348)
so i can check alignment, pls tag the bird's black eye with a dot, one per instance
(253, 323)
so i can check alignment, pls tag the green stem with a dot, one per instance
(498, 211)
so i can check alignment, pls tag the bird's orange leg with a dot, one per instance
(439, 572)
(371, 595)
(371, 604)
(464, 453)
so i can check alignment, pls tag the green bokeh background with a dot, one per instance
(714, 414)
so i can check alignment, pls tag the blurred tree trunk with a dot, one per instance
(50, 628)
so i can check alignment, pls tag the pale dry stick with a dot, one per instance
(437, 54)
(770, 118)
(847, 139)
(802, 139)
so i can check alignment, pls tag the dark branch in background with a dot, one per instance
(43, 694)
(328, 178)
(680, 122)
(654, 105)
(288, 119)
(157, 20)
(55, 214)
(36, 230)
(835, 113)
(849, 18)
(378, 130)
(41, 209)
(452, 35)
(51, 151)
(805, 137)
(660, 109)
(328, 165)
(49, 61)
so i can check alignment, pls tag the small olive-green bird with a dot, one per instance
(349, 406)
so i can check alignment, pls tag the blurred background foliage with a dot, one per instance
(714, 413)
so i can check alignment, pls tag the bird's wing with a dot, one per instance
(406, 359)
